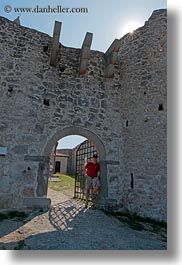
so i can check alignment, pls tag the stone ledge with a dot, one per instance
(112, 162)
(37, 202)
(37, 158)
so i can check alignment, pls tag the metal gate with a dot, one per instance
(83, 154)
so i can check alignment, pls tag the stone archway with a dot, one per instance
(74, 130)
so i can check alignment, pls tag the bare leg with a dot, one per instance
(95, 188)
(87, 195)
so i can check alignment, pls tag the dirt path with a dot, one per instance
(67, 225)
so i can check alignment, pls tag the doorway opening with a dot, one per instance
(63, 166)
(83, 151)
(67, 161)
(84, 154)
(58, 168)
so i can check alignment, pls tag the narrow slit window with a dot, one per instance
(161, 107)
(132, 184)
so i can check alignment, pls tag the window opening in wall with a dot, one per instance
(3, 151)
(45, 48)
(132, 184)
(57, 167)
(46, 102)
(10, 90)
(62, 68)
(161, 107)
(127, 123)
(146, 120)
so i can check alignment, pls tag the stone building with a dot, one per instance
(71, 160)
(59, 160)
(61, 163)
(115, 99)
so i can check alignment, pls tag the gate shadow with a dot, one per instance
(62, 215)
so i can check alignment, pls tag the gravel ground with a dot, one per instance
(69, 226)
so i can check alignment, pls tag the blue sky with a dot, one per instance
(70, 141)
(106, 19)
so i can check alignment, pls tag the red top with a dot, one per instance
(92, 169)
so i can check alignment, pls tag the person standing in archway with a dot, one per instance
(92, 174)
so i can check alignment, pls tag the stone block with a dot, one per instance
(111, 58)
(4, 184)
(83, 66)
(88, 39)
(37, 158)
(36, 202)
(112, 162)
(109, 71)
(17, 20)
(85, 53)
(55, 43)
(20, 149)
(28, 191)
(115, 46)
(6, 202)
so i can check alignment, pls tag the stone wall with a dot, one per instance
(39, 104)
(143, 80)
(71, 160)
(63, 164)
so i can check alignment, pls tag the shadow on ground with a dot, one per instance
(72, 227)
(62, 216)
(12, 220)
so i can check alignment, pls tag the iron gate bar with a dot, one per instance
(84, 152)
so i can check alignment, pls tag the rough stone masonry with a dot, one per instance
(115, 99)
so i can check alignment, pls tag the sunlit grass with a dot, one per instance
(65, 185)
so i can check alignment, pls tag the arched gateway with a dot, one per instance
(43, 166)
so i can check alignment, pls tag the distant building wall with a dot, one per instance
(70, 163)
(63, 164)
